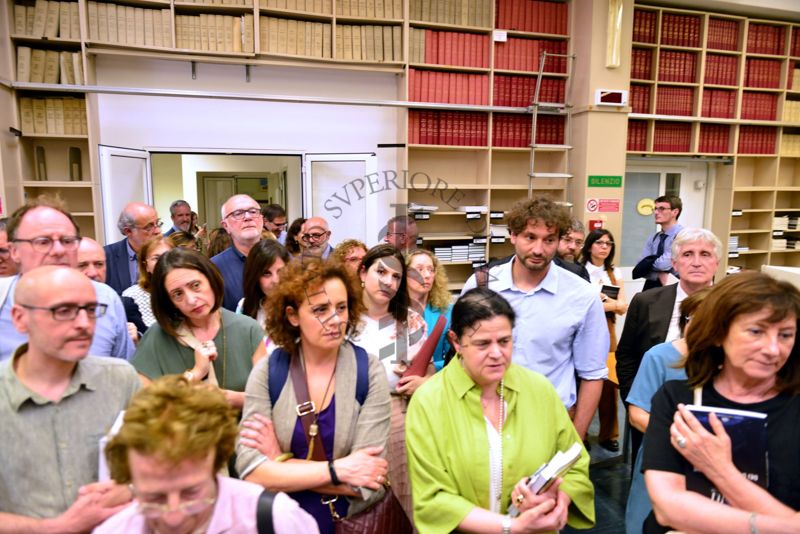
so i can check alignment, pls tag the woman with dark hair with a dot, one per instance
(292, 242)
(195, 336)
(306, 430)
(185, 240)
(218, 240)
(392, 331)
(477, 430)
(262, 272)
(742, 355)
(151, 251)
(597, 255)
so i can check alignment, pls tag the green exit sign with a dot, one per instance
(605, 181)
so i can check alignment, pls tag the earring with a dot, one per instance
(362, 283)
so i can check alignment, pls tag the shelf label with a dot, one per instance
(473, 216)
(736, 213)
(604, 181)
(500, 36)
(422, 216)
(419, 241)
(479, 240)
(733, 254)
(498, 239)
(777, 233)
(476, 264)
(496, 215)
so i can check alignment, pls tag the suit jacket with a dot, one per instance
(117, 274)
(646, 325)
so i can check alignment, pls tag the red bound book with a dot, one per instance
(550, 17)
(454, 95)
(470, 59)
(483, 82)
(497, 91)
(424, 127)
(446, 129)
(482, 44)
(448, 47)
(475, 88)
(413, 85)
(413, 128)
(458, 128)
(474, 138)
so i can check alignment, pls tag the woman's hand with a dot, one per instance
(547, 516)
(524, 499)
(363, 468)
(204, 354)
(708, 453)
(409, 384)
(258, 433)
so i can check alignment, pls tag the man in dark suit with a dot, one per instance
(138, 222)
(181, 214)
(652, 317)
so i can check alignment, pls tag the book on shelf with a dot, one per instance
(644, 26)
(747, 431)
(759, 106)
(133, 26)
(790, 145)
(714, 139)
(723, 34)
(448, 87)
(762, 73)
(721, 70)
(680, 30)
(672, 136)
(24, 64)
(26, 122)
(458, 12)
(75, 164)
(51, 66)
(536, 16)
(524, 55)
(39, 116)
(458, 128)
(640, 98)
(765, 39)
(677, 66)
(39, 163)
(757, 139)
(674, 100)
(642, 64)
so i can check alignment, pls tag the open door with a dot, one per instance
(124, 178)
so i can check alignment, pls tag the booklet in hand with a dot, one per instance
(547, 474)
(748, 433)
(610, 291)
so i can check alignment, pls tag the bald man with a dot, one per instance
(241, 217)
(138, 222)
(7, 266)
(57, 402)
(92, 260)
(314, 238)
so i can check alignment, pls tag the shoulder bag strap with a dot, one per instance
(305, 408)
(264, 523)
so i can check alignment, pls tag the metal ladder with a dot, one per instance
(552, 108)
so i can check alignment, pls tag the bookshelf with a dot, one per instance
(713, 84)
(453, 59)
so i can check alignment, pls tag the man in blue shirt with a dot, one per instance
(241, 217)
(44, 233)
(275, 221)
(658, 247)
(561, 329)
(181, 214)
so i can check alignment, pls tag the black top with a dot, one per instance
(783, 439)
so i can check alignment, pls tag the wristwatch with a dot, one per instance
(506, 524)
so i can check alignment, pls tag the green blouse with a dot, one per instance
(160, 354)
(448, 446)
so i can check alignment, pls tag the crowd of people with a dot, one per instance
(258, 377)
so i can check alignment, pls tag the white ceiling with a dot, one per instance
(767, 9)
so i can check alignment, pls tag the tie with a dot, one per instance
(660, 250)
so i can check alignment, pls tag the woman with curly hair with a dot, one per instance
(427, 290)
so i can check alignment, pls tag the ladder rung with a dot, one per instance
(550, 147)
(549, 175)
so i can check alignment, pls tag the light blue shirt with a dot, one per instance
(110, 334)
(560, 329)
(663, 262)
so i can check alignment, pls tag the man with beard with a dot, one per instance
(181, 214)
(561, 329)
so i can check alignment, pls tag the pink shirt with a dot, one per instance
(234, 513)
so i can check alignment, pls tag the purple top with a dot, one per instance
(307, 499)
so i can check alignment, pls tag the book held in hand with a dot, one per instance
(610, 291)
(748, 433)
(548, 473)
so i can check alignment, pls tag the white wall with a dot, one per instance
(195, 124)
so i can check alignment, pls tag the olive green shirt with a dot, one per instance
(160, 354)
(48, 450)
(448, 446)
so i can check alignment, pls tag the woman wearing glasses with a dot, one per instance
(597, 256)
(148, 256)
(194, 335)
(174, 440)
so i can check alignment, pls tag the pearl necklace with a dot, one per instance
(498, 475)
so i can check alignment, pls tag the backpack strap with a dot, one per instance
(278, 373)
(264, 524)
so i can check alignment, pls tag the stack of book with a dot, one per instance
(536, 16)
(295, 37)
(674, 100)
(733, 243)
(759, 106)
(461, 12)
(48, 19)
(675, 66)
(637, 136)
(449, 48)
(413, 207)
(780, 222)
(757, 139)
(721, 70)
(672, 136)
(458, 128)
(715, 139)
(791, 109)
(216, 33)
(680, 30)
(443, 254)
(723, 34)
(719, 103)
(61, 116)
(640, 98)
(765, 39)
(645, 26)
(49, 66)
(324, 7)
(369, 42)
(510, 130)
(762, 73)
(790, 145)
(524, 55)
(131, 26)
(779, 243)
(389, 9)
(642, 64)
(519, 91)
(448, 87)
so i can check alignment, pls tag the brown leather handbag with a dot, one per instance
(384, 517)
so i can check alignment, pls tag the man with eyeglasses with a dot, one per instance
(655, 264)
(57, 403)
(138, 222)
(275, 221)
(7, 267)
(42, 232)
(181, 214)
(241, 218)
(315, 237)
(401, 233)
(569, 249)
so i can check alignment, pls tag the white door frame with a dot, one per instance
(106, 153)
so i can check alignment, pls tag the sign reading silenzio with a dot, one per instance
(605, 181)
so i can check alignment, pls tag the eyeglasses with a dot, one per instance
(314, 237)
(662, 208)
(149, 227)
(568, 240)
(68, 312)
(426, 269)
(43, 244)
(155, 510)
(238, 215)
(278, 225)
(604, 243)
